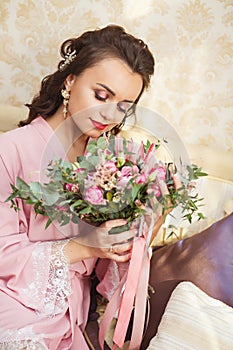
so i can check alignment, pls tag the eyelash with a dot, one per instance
(125, 110)
(100, 98)
(121, 109)
(104, 99)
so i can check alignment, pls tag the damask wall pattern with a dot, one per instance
(192, 41)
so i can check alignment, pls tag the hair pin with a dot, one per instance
(69, 57)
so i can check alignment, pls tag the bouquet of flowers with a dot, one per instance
(116, 178)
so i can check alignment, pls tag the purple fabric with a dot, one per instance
(205, 259)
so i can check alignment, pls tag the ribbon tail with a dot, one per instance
(140, 305)
(128, 297)
(110, 312)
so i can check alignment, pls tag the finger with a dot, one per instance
(122, 248)
(121, 258)
(114, 223)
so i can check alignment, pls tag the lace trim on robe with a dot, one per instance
(113, 279)
(53, 298)
(21, 339)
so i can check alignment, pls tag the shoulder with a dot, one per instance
(21, 148)
(13, 145)
(16, 141)
(25, 138)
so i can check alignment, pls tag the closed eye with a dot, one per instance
(124, 106)
(101, 96)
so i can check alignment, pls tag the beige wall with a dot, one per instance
(191, 39)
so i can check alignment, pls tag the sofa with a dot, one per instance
(191, 272)
(191, 306)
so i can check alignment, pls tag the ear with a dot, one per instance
(70, 79)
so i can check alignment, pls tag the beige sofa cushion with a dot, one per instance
(193, 320)
(10, 116)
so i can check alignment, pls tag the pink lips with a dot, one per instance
(98, 125)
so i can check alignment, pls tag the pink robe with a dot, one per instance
(44, 301)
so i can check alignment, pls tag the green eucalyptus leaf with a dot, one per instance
(101, 143)
(86, 210)
(36, 189)
(49, 197)
(21, 184)
(134, 191)
(119, 229)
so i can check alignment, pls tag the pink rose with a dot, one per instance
(94, 195)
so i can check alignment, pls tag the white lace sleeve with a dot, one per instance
(58, 288)
(51, 283)
(21, 339)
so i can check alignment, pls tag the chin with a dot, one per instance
(94, 133)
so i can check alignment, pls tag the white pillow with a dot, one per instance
(194, 321)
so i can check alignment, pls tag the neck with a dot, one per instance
(71, 137)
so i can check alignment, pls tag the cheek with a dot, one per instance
(79, 101)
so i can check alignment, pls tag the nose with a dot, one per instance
(111, 113)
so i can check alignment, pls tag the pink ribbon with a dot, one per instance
(134, 282)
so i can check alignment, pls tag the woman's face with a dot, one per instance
(101, 95)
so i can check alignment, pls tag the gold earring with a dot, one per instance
(66, 96)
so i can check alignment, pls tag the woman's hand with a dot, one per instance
(97, 242)
(99, 236)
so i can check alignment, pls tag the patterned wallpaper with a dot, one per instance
(192, 41)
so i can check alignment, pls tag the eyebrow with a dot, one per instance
(112, 92)
(107, 88)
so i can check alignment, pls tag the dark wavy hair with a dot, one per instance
(91, 47)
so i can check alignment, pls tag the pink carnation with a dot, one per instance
(94, 195)
(141, 179)
(123, 181)
(161, 173)
(155, 189)
(110, 166)
(128, 170)
(68, 187)
(71, 187)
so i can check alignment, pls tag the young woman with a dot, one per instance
(44, 285)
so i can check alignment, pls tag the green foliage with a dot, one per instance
(62, 198)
